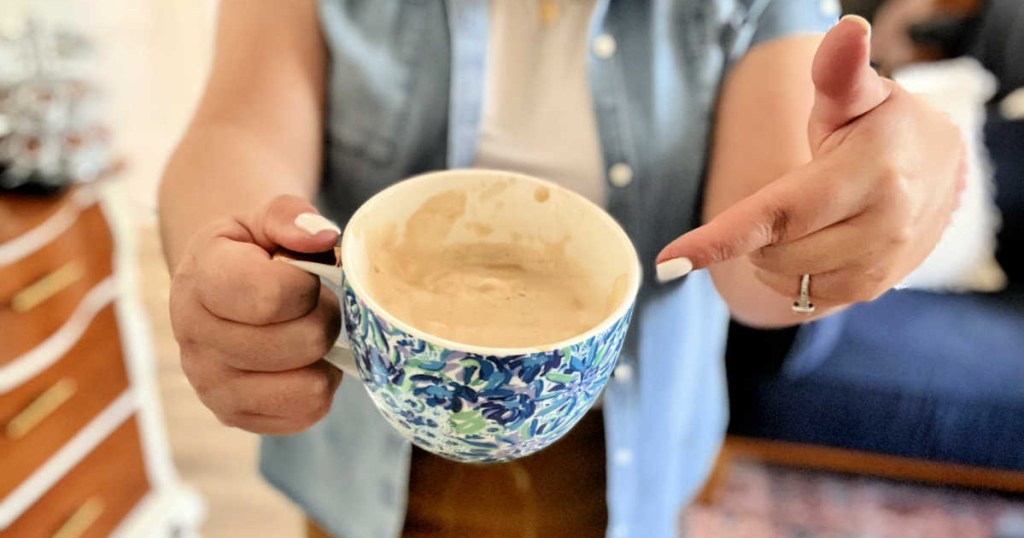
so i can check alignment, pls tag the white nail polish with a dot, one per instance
(313, 224)
(859, 20)
(673, 269)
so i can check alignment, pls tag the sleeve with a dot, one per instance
(773, 19)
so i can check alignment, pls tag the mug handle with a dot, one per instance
(340, 356)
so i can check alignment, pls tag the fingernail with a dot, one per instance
(859, 20)
(673, 269)
(313, 224)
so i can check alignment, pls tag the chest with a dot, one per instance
(393, 63)
(406, 91)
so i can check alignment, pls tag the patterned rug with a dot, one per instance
(761, 501)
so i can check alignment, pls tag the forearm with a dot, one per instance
(219, 170)
(258, 131)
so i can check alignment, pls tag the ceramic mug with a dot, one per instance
(472, 403)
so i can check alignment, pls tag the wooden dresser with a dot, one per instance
(83, 451)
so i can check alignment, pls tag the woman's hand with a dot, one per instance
(253, 330)
(867, 210)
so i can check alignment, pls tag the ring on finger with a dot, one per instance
(803, 304)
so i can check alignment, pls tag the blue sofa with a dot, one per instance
(919, 375)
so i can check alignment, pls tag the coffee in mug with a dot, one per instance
(483, 310)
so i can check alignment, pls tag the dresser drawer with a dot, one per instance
(39, 292)
(92, 499)
(19, 213)
(40, 416)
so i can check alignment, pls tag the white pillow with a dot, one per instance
(964, 259)
(1012, 106)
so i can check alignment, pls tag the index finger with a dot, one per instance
(799, 203)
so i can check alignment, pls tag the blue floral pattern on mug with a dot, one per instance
(477, 408)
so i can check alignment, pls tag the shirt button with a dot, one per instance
(623, 373)
(623, 456)
(620, 174)
(604, 46)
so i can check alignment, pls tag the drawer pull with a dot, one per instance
(48, 286)
(81, 520)
(43, 406)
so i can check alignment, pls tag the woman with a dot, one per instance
(847, 179)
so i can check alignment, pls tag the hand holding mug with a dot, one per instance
(252, 330)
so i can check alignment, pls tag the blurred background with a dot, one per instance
(145, 63)
(901, 418)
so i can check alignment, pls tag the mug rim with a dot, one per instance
(622, 309)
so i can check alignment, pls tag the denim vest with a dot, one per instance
(405, 96)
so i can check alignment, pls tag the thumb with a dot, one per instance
(846, 87)
(292, 223)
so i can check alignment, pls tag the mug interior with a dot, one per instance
(500, 206)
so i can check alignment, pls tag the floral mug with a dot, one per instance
(470, 403)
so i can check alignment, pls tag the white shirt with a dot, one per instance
(538, 115)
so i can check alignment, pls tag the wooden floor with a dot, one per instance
(219, 461)
(839, 460)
